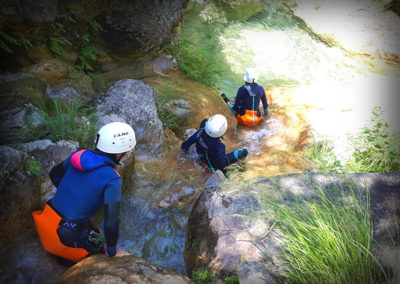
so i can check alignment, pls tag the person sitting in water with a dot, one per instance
(247, 102)
(207, 141)
(86, 181)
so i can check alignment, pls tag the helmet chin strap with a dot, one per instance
(119, 157)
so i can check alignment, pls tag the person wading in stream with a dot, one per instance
(86, 181)
(208, 145)
(247, 102)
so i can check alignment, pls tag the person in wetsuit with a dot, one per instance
(86, 181)
(207, 141)
(247, 101)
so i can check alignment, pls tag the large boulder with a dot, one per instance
(120, 269)
(47, 154)
(19, 191)
(141, 26)
(133, 102)
(229, 224)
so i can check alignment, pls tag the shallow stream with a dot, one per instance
(302, 75)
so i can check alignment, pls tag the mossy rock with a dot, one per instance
(25, 89)
(80, 81)
(241, 10)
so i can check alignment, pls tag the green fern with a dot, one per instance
(7, 40)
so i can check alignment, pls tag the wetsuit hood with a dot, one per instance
(87, 160)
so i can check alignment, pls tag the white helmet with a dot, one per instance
(216, 126)
(250, 75)
(116, 137)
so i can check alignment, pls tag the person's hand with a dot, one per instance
(225, 98)
(266, 112)
(241, 153)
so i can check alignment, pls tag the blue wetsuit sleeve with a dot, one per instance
(191, 140)
(57, 172)
(111, 226)
(230, 158)
(264, 98)
(112, 192)
(238, 100)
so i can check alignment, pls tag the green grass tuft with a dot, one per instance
(329, 239)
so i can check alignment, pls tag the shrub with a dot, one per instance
(375, 148)
(203, 276)
(70, 122)
(322, 159)
(7, 40)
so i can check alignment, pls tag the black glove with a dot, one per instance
(225, 98)
(241, 153)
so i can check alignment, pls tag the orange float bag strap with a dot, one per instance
(47, 222)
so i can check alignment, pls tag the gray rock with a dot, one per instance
(30, 12)
(133, 102)
(48, 154)
(254, 272)
(16, 117)
(11, 161)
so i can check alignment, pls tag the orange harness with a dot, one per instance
(47, 222)
(250, 118)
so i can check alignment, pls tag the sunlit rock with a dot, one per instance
(120, 269)
(362, 27)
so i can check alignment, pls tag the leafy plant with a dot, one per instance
(70, 122)
(198, 63)
(322, 158)
(55, 45)
(165, 95)
(203, 276)
(33, 166)
(376, 149)
(329, 239)
(7, 40)
(86, 58)
(88, 54)
(233, 279)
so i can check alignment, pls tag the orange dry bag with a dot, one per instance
(250, 118)
(46, 222)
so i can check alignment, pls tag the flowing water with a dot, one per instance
(299, 72)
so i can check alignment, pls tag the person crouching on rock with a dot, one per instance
(207, 141)
(86, 181)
